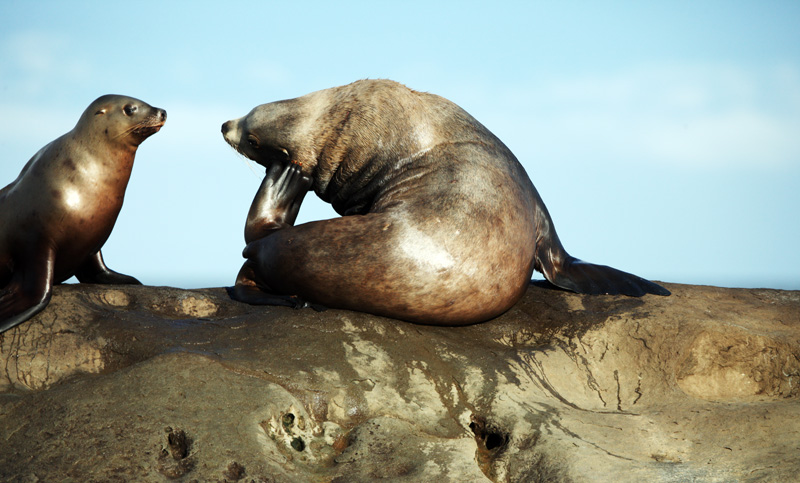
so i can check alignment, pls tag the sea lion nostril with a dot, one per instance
(226, 127)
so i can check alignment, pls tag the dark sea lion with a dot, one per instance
(58, 213)
(441, 224)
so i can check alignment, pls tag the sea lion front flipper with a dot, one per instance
(255, 296)
(94, 270)
(277, 201)
(27, 293)
(250, 291)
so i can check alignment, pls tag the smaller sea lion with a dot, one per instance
(58, 213)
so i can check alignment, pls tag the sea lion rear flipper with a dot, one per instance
(27, 293)
(567, 272)
(94, 270)
(588, 278)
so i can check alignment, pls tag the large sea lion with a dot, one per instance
(441, 224)
(58, 213)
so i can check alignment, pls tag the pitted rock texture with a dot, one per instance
(156, 384)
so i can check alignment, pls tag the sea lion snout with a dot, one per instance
(230, 131)
(150, 124)
(157, 119)
(160, 114)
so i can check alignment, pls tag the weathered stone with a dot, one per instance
(154, 383)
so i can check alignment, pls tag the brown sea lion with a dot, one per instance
(58, 213)
(441, 224)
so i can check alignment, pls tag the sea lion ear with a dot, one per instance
(100, 112)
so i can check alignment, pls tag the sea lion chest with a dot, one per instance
(78, 191)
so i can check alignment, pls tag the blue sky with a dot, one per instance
(664, 137)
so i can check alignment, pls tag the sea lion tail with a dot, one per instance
(567, 272)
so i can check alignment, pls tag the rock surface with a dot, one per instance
(156, 383)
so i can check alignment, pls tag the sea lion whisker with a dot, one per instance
(147, 123)
(252, 169)
(124, 133)
(247, 160)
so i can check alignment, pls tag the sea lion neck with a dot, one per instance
(359, 148)
(107, 153)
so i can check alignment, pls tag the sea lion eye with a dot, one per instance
(252, 141)
(130, 109)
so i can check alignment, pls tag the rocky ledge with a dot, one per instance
(157, 383)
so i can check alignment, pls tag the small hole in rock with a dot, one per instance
(489, 437)
(298, 444)
(494, 440)
(288, 419)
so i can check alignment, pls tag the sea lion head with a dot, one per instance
(123, 119)
(334, 133)
(281, 131)
(264, 134)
